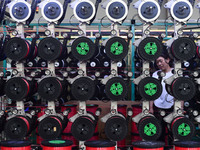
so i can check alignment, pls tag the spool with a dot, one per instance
(187, 145)
(18, 127)
(15, 145)
(148, 145)
(57, 145)
(100, 145)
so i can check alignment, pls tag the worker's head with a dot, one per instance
(163, 62)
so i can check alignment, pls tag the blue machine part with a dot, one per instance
(149, 10)
(84, 10)
(181, 10)
(52, 10)
(20, 11)
(116, 10)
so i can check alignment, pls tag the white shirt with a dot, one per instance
(165, 101)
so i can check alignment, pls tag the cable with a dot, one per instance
(41, 25)
(101, 22)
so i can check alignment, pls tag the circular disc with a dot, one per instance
(150, 49)
(150, 88)
(83, 128)
(49, 49)
(181, 10)
(83, 88)
(116, 48)
(149, 10)
(116, 10)
(52, 11)
(17, 88)
(17, 49)
(116, 88)
(83, 48)
(20, 11)
(50, 88)
(182, 128)
(84, 11)
(149, 128)
(183, 88)
(183, 48)
(116, 128)
(50, 128)
(16, 128)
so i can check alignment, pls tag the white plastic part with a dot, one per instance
(11, 5)
(170, 5)
(146, 19)
(74, 5)
(42, 6)
(107, 7)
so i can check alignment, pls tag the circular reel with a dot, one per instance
(183, 48)
(17, 127)
(116, 89)
(17, 49)
(83, 88)
(149, 10)
(52, 10)
(83, 128)
(83, 48)
(50, 49)
(116, 10)
(50, 88)
(149, 128)
(116, 48)
(150, 49)
(84, 10)
(183, 88)
(150, 88)
(18, 88)
(116, 128)
(50, 127)
(182, 128)
(181, 10)
(20, 11)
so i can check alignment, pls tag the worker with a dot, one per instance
(165, 101)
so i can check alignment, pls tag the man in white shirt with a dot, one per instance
(165, 101)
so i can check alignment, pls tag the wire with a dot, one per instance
(39, 23)
(101, 21)
(71, 22)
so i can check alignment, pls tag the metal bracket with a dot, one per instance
(83, 68)
(20, 107)
(20, 69)
(83, 26)
(51, 67)
(81, 145)
(20, 30)
(177, 112)
(51, 28)
(145, 73)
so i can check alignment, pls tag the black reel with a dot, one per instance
(83, 88)
(116, 128)
(150, 88)
(149, 128)
(116, 89)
